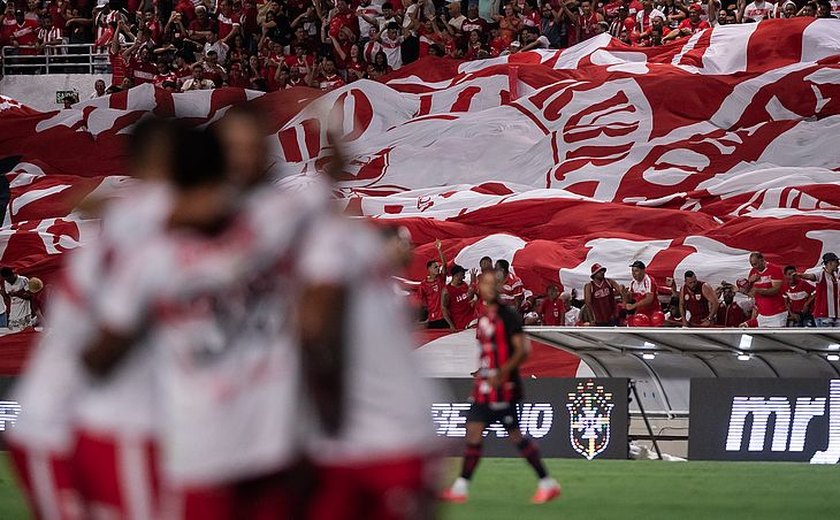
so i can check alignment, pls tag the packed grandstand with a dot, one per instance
(209, 252)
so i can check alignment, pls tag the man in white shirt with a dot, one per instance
(456, 19)
(368, 15)
(197, 81)
(214, 44)
(391, 41)
(758, 11)
(646, 15)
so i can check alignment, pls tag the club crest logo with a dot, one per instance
(589, 419)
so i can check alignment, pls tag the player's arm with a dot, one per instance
(647, 300)
(811, 277)
(682, 308)
(519, 344)
(806, 307)
(710, 295)
(323, 311)
(444, 306)
(442, 257)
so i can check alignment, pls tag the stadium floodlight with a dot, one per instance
(649, 356)
(744, 357)
(746, 342)
(834, 346)
(833, 357)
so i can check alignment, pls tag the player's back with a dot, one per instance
(386, 399)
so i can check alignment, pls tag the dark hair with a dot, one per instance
(689, 274)
(430, 263)
(504, 265)
(483, 258)
(457, 269)
(199, 160)
(387, 5)
(5, 272)
(393, 25)
(789, 268)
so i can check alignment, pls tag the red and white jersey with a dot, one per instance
(642, 288)
(392, 49)
(827, 299)
(327, 83)
(798, 294)
(758, 11)
(511, 289)
(386, 401)
(217, 311)
(50, 416)
(769, 305)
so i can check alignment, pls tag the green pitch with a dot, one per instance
(624, 490)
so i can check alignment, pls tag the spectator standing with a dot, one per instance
(197, 81)
(98, 89)
(431, 291)
(642, 297)
(799, 295)
(15, 287)
(757, 11)
(511, 288)
(698, 302)
(827, 295)
(767, 280)
(553, 308)
(600, 295)
(458, 309)
(730, 314)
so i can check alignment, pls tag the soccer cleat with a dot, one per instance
(546, 494)
(448, 495)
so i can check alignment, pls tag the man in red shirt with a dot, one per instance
(799, 295)
(328, 78)
(497, 390)
(730, 314)
(691, 25)
(511, 289)
(827, 294)
(599, 296)
(431, 291)
(766, 280)
(457, 301)
(552, 308)
(642, 297)
(25, 34)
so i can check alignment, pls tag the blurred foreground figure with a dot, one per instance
(64, 413)
(372, 439)
(496, 392)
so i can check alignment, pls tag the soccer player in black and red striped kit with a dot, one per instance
(497, 390)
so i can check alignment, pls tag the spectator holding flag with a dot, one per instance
(827, 295)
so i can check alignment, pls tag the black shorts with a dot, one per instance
(490, 413)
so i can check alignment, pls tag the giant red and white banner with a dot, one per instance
(686, 156)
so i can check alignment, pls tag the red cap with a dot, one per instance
(695, 7)
(596, 268)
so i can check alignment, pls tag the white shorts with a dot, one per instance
(777, 320)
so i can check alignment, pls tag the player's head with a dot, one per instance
(830, 261)
(242, 132)
(690, 279)
(552, 291)
(203, 198)
(485, 264)
(790, 273)
(150, 152)
(458, 274)
(728, 294)
(488, 286)
(757, 261)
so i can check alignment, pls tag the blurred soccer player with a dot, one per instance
(496, 391)
(373, 454)
(62, 411)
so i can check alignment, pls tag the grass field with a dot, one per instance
(624, 490)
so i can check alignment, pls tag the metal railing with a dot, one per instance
(73, 58)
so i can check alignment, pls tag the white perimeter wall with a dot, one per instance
(38, 91)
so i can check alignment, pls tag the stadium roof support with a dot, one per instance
(663, 360)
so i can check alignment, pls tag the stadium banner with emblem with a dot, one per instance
(570, 418)
(765, 420)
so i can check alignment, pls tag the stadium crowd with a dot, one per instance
(271, 45)
(770, 296)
